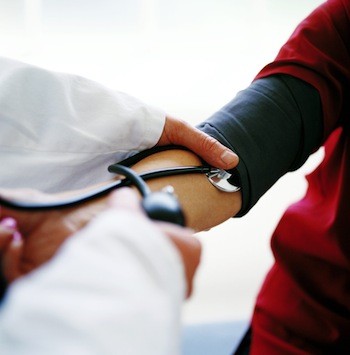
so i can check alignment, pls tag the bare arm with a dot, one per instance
(204, 205)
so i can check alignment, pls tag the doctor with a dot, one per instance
(111, 288)
(115, 287)
(60, 132)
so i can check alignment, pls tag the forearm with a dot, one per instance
(204, 205)
(238, 126)
(273, 125)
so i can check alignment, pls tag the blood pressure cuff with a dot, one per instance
(273, 126)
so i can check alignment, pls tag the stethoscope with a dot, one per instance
(159, 205)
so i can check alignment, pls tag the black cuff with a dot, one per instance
(273, 126)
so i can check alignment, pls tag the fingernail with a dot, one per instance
(17, 237)
(228, 157)
(9, 223)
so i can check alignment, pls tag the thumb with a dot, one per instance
(12, 260)
(208, 148)
(212, 151)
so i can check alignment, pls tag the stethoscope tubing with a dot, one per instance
(102, 191)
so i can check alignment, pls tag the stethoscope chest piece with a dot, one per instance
(164, 206)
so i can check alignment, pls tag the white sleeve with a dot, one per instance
(67, 127)
(114, 288)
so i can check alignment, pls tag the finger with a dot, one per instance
(15, 218)
(125, 198)
(5, 238)
(213, 152)
(12, 260)
(208, 148)
(9, 223)
(7, 230)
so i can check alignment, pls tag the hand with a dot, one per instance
(42, 232)
(214, 153)
(188, 247)
(11, 249)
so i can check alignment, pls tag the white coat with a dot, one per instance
(116, 287)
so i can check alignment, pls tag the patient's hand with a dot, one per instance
(179, 132)
(42, 233)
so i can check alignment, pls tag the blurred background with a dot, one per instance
(188, 57)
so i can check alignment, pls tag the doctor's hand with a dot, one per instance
(42, 232)
(11, 249)
(188, 247)
(179, 132)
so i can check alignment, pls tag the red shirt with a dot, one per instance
(304, 304)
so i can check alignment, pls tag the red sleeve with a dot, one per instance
(318, 52)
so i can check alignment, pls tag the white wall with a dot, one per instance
(189, 57)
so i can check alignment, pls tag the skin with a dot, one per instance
(16, 260)
(204, 205)
(179, 132)
(43, 232)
